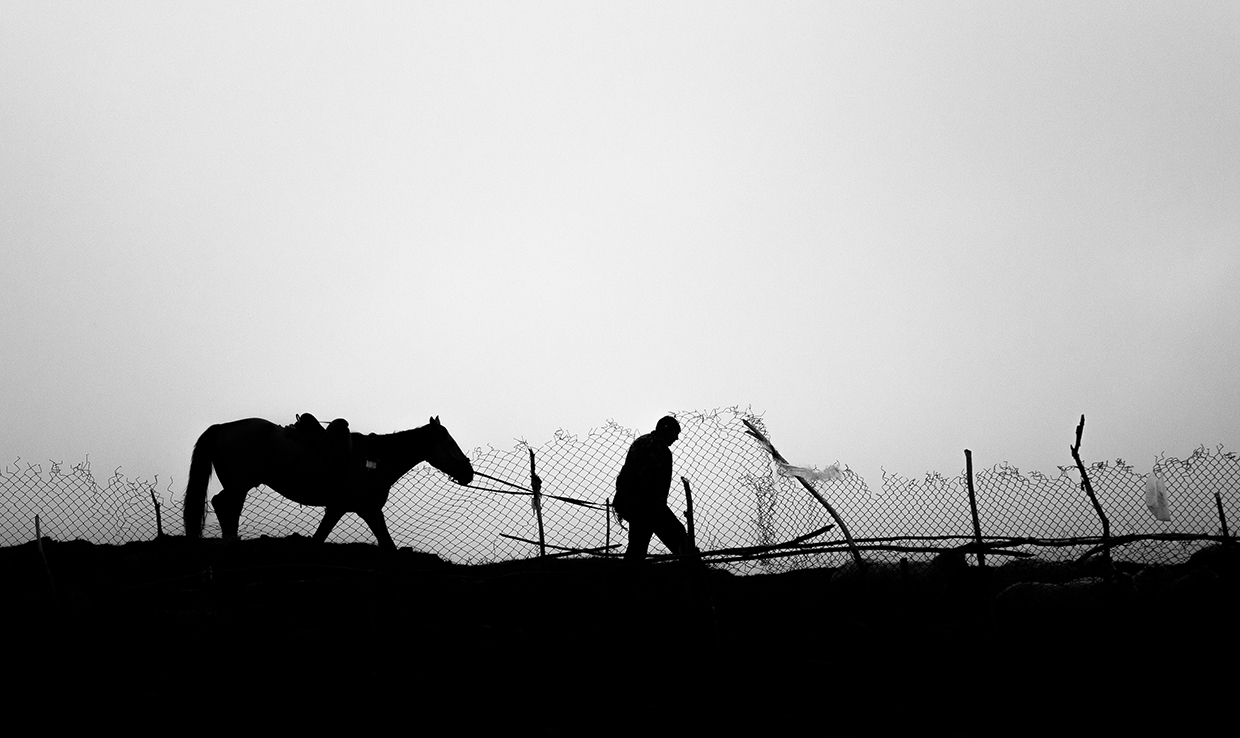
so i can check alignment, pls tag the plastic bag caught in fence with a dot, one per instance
(830, 474)
(1156, 497)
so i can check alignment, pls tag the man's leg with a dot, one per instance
(670, 530)
(639, 540)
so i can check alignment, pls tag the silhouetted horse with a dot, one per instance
(247, 453)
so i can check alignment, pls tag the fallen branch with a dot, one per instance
(560, 548)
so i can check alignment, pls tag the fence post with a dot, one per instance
(159, 521)
(536, 486)
(1222, 519)
(1089, 490)
(689, 513)
(977, 526)
(38, 538)
(607, 515)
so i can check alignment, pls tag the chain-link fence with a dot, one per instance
(745, 511)
(71, 504)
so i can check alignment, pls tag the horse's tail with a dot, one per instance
(196, 489)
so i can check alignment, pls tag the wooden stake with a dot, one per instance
(536, 486)
(689, 513)
(159, 522)
(977, 526)
(38, 538)
(1222, 519)
(1089, 490)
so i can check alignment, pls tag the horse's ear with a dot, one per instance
(435, 420)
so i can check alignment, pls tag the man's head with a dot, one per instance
(668, 429)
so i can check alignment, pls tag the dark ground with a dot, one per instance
(179, 630)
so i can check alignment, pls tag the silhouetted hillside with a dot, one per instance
(285, 627)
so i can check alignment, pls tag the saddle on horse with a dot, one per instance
(334, 443)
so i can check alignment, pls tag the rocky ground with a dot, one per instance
(291, 630)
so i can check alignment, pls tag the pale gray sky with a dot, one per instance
(897, 230)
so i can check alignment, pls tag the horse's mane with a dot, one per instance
(378, 445)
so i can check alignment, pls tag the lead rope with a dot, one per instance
(501, 481)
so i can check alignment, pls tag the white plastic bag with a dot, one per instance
(1156, 497)
(830, 474)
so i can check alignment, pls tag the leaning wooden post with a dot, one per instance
(1222, 519)
(38, 538)
(689, 513)
(810, 488)
(1089, 490)
(536, 486)
(977, 526)
(159, 522)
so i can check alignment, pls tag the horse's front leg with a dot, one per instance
(331, 516)
(374, 518)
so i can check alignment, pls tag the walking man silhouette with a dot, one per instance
(641, 493)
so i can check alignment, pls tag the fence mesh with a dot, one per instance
(741, 504)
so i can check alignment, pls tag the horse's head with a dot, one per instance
(443, 454)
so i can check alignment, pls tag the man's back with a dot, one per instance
(646, 476)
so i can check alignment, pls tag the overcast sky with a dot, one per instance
(894, 230)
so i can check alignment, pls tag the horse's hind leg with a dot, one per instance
(227, 505)
(374, 518)
(331, 516)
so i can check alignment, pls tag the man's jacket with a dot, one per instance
(645, 478)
